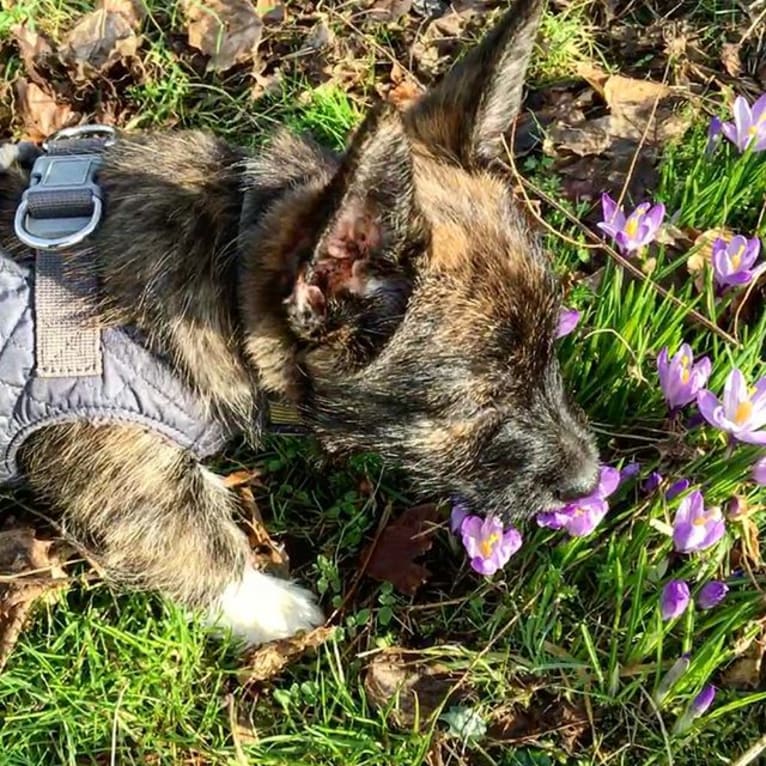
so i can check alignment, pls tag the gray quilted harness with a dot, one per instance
(56, 364)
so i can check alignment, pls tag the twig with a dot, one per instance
(752, 752)
(642, 141)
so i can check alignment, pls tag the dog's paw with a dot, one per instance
(260, 608)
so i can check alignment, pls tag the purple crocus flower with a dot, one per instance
(749, 127)
(652, 482)
(711, 594)
(487, 545)
(680, 377)
(759, 471)
(742, 413)
(674, 600)
(702, 701)
(713, 135)
(458, 516)
(629, 471)
(634, 231)
(568, 319)
(695, 527)
(582, 516)
(733, 262)
(676, 488)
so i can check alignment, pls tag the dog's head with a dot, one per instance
(424, 308)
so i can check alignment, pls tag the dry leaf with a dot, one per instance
(393, 557)
(409, 691)
(268, 555)
(747, 672)
(33, 48)
(388, 10)
(228, 31)
(730, 59)
(35, 566)
(542, 715)
(267, 660)
(41, 113)
(99, 40)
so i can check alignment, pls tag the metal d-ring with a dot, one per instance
(80, 131)
(68, 240)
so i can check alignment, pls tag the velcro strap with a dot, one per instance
(67, 332)
(59, 203)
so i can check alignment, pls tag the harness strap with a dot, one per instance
(61, 207)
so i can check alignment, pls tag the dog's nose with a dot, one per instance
(580, 485)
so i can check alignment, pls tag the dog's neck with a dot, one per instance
(184, 212)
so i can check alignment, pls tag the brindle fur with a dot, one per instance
(395, 294)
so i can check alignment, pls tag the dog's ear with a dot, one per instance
(371, 228)
(466, 115)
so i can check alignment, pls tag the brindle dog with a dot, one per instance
(395, 294)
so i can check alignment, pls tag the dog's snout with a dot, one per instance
(579, 488)
(579, 483)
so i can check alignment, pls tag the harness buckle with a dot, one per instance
(63, 205)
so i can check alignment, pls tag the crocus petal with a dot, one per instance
(743, 120)
(711, 594)
(483, 566)
(662, 366)
(709, 406)
(676, 488)
(758, 111)
(702, 701)
(714, 532)
(674, 600)
(457, 516)
(713, 135)
(611, 213)
(688, 538)
(586, 518)
(759, 471)
(655, 216)
(729, 130)
(752, 437)
(652, 482)
(568, 319)
(609, 480)
(553, 519)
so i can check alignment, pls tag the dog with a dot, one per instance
(395, 295)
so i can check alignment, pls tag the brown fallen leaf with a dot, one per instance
(228, 31)
(387, 10)
(730, 59)
(100, 39)
(268, 555)
(410, 690)
(30, 568)
(541, 715)
(40, 111)
(34, 50)
(268, 660)
(607, 143)
(134, 11)
(748, 671)
(393, 557)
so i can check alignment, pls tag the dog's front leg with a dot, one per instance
(158, 520)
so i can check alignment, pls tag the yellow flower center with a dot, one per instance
(685, 375)
(488, 545)
(753, 129)
(736, 259)
(631, 227)
(700, 521)
(743, 413)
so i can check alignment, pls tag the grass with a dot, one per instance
(101, 677)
